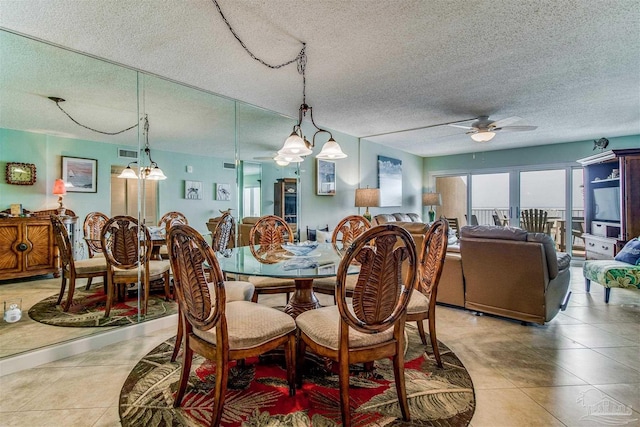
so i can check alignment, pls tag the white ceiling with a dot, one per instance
(572, 68)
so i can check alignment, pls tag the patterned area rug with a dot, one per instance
(87, 309)
(257, 393)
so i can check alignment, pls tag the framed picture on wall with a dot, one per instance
(80, 175)
(326, 178)
(390, 181)
(223, 192)
(193, 190)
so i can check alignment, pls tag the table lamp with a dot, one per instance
(60, 190)
(366, 197)
(431, 200)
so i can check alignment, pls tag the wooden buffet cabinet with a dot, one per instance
(27, 247)
(616, 172)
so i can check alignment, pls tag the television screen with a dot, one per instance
(606, 204)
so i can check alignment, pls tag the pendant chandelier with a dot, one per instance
(296, 146)
(151, 172)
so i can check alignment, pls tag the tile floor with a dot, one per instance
(523, 375)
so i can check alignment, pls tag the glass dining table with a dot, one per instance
(322, 262)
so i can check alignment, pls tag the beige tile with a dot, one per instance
(110, 418)
(628, 356)
(482, 375)
(592, 336)
(627, 394)
(592, 366)
(509, 407)
(570, 404)
(59, 417)
(630, 331)
(19, 389)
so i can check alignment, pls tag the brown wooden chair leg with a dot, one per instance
(110, 294)
(176, 347)
(167, 287)
(86, 288)
(63, 286)
(302, 349)
(187, 356)
(434, 340)
(344, 390)
(254, 297)
(398, 372)
(72, 287)
(222, 375)
(290, 356)
(423, 336)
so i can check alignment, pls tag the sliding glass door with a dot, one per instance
(489, 199)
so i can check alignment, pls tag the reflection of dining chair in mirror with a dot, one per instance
(474, 220)
(92, 227)
(221, 331)
(165, 220)
(224, 234)
(369, 326)
(125, 252)
(422, 305)
(347, 230)
(72, 269)
(266, 238)
(535, 221)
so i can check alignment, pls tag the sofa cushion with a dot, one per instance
(414, 217)
(414, 227)
(494, 232)
(564, 260)
(630, 253)
(323, 236)
(384, 218)
(402, 217)
(549, 251)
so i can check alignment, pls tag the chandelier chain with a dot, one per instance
(300, 59)
(90, 128)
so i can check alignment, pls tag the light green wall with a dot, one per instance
(530, 156)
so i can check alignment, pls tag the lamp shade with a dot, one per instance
(483, 136)
(431, 199)
(331, 150)
(294, 146)
(128, 173)
(156, 174)
(59, 188)
(367, 197)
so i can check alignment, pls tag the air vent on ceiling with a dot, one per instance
(127, 153)
(229, 165)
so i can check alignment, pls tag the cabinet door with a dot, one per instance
(39, 237)
(10, 254)
(630, 197)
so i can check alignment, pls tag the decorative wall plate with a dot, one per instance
(21, 173)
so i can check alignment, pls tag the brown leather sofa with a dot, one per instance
(409, 221)
(512, 273)
(244, 228)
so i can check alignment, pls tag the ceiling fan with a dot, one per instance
(484, 129)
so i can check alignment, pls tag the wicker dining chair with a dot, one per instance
(92, 226)
(266, 238)
(221, 331)
(72, 269)
(125, 251)
(422, 305)
(371, 326)
(164, 223)
(347, 230)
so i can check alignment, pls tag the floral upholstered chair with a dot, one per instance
(621, 272)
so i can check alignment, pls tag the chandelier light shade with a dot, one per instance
(483, 136)
(431, 199)
(366, 197)
(151, 172)
(331, 151)
(128, 173)
(285, 159)
(59, 189)
(294, 146)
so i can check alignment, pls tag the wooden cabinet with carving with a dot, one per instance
(27, 247)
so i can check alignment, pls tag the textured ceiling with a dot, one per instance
(572, 68)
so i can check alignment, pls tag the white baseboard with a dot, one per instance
(34, 358)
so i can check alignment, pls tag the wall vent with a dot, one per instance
(127, 153)
(229, 165)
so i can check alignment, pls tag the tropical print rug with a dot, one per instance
(87, 309)
(258, 395)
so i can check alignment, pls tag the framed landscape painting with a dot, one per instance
(80, 175)
(326, 178)
(390, 181)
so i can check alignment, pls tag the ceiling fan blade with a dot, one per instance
(516, 128)
(460, 126)
(505, 122)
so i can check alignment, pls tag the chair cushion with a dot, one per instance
(612, 273)
(250, 325)
(156, 268)
(329, 283)
(630, 253)
(322, 326)
(269, 282)
(236, 290)
(418, 303)
(91, 265)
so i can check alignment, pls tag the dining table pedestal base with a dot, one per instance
(303, 298)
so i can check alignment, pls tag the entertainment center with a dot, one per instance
(611, 201)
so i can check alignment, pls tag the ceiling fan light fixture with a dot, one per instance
(331, 150)
(483, 136)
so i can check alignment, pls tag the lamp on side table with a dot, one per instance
(431, 200)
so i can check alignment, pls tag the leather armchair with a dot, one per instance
(512, 273)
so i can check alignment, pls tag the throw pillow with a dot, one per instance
(324, 236)
(630, 253)
(312, 233)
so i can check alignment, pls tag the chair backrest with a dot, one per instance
(431, 261)
(496, 220)
(474, 219)
(224, 235)
(349, 228)
(267, 236)
(192, 262)
(535, 221)
(121, 245)
(63, 242)
(387, 256)
(454, 225)
(92, 227)
(169, 216)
